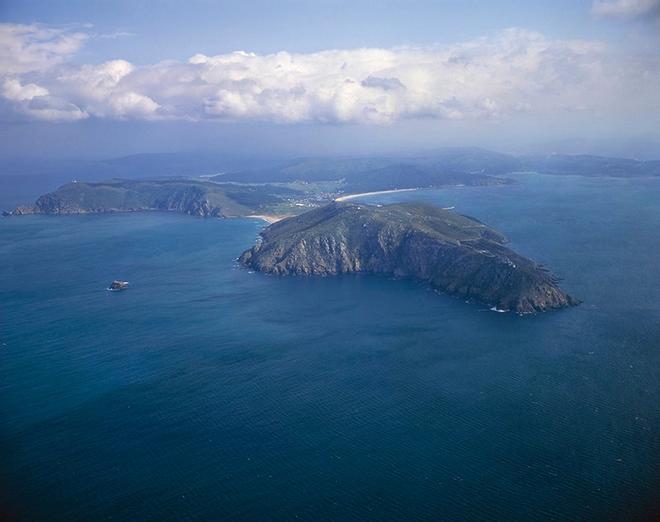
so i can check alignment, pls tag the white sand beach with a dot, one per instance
(353, 196)
(268, 218)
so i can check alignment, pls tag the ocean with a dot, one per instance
(209, 392)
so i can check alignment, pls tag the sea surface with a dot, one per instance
(208, 392)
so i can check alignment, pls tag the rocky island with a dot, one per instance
(453, 253)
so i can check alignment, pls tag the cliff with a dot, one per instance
(453, 253)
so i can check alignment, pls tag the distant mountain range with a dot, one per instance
(310, 180)
(441, 162)
(447, 162)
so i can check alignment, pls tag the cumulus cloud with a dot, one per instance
(13, 90)
(626, 8)
(36, 50)
(508, 73)
(36, 101)
(35, 47)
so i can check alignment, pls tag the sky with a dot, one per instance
(101, 79)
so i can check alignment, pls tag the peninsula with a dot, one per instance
(187, 196)
(244, 195)
(456, 254)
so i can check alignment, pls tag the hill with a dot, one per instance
(453, 253)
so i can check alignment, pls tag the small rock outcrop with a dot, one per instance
(453, 253)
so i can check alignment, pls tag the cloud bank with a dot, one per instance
(500, 76)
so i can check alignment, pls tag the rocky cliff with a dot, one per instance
(453, 253)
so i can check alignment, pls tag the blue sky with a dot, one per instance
(107, 78)
(177, 30)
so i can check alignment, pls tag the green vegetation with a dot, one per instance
(454, 253)
(373, 174)
(192, 197)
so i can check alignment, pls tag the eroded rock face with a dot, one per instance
(453, 253)
(188, 200)
(82, 198)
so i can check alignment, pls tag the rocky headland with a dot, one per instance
(453, 253)
(195, 198)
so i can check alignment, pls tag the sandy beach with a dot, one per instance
(353, 196)
(271, 218)
(268, 218)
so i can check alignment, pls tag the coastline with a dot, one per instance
(268, 218)
(352, 196)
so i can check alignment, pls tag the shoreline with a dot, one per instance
(353, 196)
(268, 218)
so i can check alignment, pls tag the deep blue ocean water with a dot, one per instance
(206, 392)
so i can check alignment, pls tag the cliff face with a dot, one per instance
(454, 253)
(192, 200)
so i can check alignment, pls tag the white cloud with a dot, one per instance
(36, 102)
(114, 35)
(132, 104)
(13, 90)
(53, 109)
(500, 76)
(36, 50)
(35, 47)
(626, 8)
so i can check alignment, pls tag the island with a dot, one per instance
(456, 254)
